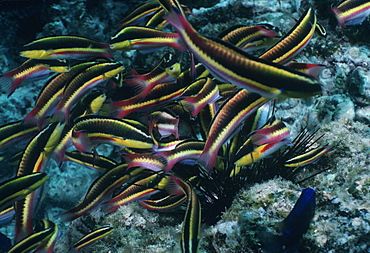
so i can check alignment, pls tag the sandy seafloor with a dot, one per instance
(342, 219)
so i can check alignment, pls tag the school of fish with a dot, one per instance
(174, 126)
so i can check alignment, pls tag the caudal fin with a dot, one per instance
(33, 119)
(8, 84)
(177, 19)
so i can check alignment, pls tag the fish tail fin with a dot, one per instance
(189, 103)
(315, 70)
(258, 137)
(109, 207)
(8, 83)
(108, 51)
(175, 186)
(338, 14)
(139, 84)
(59, 152)
(116, 109)
(61, 115)
(81, 141)
(180, 45)
(208, 160)
(73, 250)
(272, 33)
(33, 120)
(68, 216)
(168, 163)
(152, 123)
(176, 18)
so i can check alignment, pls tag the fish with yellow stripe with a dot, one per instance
(18, 187)
(230, 64)
(158, 96)
(261, 144)
(351, 12)
(92, 237)
(260, 152)
(308, 157)
(226, 122)
(15, 133)
(154, 162)
(39, 149)
(30, 70)
(166, 71)
(51, 94)
(39, 240)
(100, 190)
(94, 161)
(144, 39)
(198, 94)
(241, 35)
(82, 84)
(140, 13)
(49, 242)
(163, 204)
(91, 130)
(65, 47)
(294, 41)
(273, 131)
(138, 189)
(34, 158)
(150, 13)
(190, 235)
(187, 151)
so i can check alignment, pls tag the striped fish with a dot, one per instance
(308, 157)
(351, 12)
(18, 187)
(91, 237)
(65, 47)
(100, 190)
(227, 120)
(93, 129)
(230, 64)
(30, 70)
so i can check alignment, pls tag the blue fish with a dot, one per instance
(293, 227)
